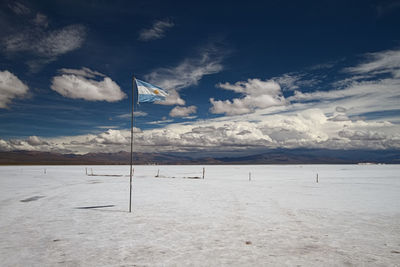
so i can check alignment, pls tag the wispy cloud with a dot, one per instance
(326, 65)
(84, 72)
(159, 122)
(187, 73)
(372, 86)
(387, 88)
(46, 44)
(41, 20)
(107, 127)
(19, 8)
(79, 84)
(135, 113)
(157, 30)
(293, 81)
(40, 43)
(382, 62)
(10, 87)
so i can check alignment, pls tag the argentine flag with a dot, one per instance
(150, 93)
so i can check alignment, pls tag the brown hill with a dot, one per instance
(278, 156)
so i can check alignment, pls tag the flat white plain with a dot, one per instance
(280, 217)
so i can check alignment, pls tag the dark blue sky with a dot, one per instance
(200, 51)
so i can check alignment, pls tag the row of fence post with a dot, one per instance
(203, 175)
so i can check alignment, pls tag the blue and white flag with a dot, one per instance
(150, 93)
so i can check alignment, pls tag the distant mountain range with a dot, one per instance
(278, 156)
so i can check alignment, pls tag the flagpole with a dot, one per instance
(130, 172)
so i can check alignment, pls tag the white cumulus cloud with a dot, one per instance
(111, 137)
(173, 98)
(256, 94)
(35, 141)
(10, 87)
(182, 111)
(80, 85)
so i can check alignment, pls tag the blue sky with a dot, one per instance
(242, 77)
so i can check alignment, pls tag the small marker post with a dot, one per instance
(317, 180)
(249, 176)
(204, 171)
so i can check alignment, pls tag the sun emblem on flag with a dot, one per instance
(156, 92)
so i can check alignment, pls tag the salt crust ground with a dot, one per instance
(281, 218)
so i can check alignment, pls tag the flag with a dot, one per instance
(150, 93)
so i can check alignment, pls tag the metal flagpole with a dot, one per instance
(130, 173)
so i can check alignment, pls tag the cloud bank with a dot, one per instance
(306, 129)
(260, 117)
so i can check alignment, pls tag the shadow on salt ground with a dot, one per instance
(34, 198)
(95, 207)
(100, 208)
